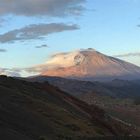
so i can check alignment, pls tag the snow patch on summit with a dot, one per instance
(65, 60)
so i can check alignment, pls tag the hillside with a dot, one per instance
(119, 98)
(33, 111)
(115, 88)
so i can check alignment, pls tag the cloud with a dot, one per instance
(18, 72)
(3, 50)
(2, 21)
(42, 46)
(36, 69)
(10, 72)
(128, 55)
(53, 8)
(35, 31)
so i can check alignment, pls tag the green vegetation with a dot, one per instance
(137, 101)
(43, 138)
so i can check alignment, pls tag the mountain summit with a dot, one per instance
(89, 64)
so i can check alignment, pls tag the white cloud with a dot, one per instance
(10, 72)
(128, 55)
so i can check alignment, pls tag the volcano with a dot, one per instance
(91, 65)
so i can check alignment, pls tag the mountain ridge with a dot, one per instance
(90, 65)
(116, 88)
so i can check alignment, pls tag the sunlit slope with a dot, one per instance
(91, 65)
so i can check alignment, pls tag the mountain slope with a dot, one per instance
(115, 88)
(33, 111)
(118, 97)
(89, 65)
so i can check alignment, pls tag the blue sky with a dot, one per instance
(109, 26)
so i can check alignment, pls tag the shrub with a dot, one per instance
(42, 138)
(137, 101)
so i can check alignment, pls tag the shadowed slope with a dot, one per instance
(31, 111)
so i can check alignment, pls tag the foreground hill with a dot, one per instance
(33, 111)
(118, 97)
(89, 65)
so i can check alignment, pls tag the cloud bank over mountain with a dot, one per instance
(10, 72)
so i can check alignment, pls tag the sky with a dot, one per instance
(32, 30)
